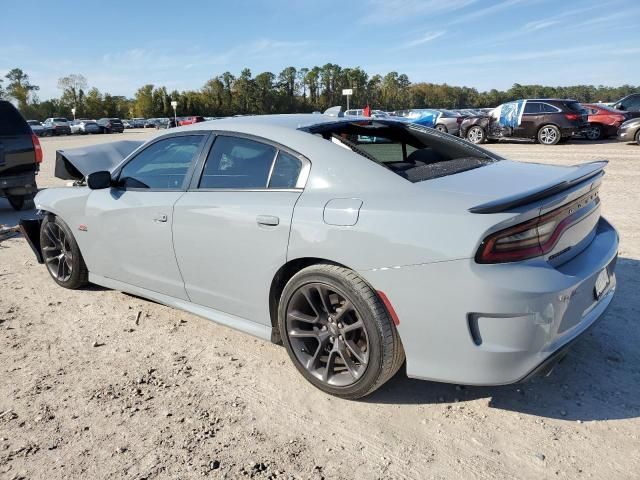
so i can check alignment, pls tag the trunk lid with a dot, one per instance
(530, 190)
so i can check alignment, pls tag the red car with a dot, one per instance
(603, 121)
(190, 120)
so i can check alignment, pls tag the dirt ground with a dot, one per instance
(98, 384)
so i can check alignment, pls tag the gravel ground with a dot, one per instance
(100, 384)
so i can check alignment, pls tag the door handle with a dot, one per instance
(161, 218)
(267, 220)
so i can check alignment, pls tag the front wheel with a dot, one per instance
(61, 254)
(338, 332)
(476, 135)
(549, 135)
(638, 137)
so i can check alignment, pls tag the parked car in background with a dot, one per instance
(137, 122)
(150, 122)
(603, 121)
(630, 104)
(442, 120)
(286, 227)
(86, 126)
(20, 157)
(547, 121)
(39, 129)
(359, 112)
(190, 120)
(58, 126)
(110, 125)
(127, 124)
(629, 131)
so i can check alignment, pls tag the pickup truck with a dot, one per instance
(20, 157)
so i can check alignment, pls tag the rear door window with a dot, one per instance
(11, 122)
(532, 108)
(238, 163)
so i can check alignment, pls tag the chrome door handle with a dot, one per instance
(268, 220)
(161, 217)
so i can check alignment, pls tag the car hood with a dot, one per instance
(77, 163)
(505, 185)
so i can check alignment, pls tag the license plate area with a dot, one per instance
(602, 282)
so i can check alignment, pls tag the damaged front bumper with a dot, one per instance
(30, 228)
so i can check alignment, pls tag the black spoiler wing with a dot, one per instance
(582, 173)
(77, 163)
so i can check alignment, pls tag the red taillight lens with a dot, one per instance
(36, 147)
(459, 120)
(535, 237)
(572, 116)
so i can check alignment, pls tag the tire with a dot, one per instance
(354, 335)
(549, 135)
(61, 254)
(594, 132)
(638, 137)
(476, 134)
(442, 128)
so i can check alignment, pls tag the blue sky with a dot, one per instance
(485, 44)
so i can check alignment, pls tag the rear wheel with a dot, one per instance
(61, 254)
(638, 137)
(594, 132)
(476, 135)
(441, 128)
(337, 331)
(549, 135)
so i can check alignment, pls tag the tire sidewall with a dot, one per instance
(76, 280)
(373, 330)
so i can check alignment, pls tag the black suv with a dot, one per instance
(110, 125)
(20, 157)
(630, 103)
(547, 120)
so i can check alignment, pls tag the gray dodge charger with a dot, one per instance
(355, 242)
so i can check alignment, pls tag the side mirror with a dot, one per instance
(99, 180)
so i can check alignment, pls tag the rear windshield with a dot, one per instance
(413, 152)
(60, 120)
(11, 122)
(575, 107)
(115, 120)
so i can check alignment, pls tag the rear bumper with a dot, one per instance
(465, 323)
(23, 183)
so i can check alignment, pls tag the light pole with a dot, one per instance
(174, 104)
(73, 111)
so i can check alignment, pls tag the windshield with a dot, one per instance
(411, 151)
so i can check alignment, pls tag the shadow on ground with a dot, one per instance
(598, 380)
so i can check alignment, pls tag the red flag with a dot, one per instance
(367, 111)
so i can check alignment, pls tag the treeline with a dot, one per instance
(291, 90)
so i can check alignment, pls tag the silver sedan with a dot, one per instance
(356, 243)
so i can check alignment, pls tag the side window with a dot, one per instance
(532, 108)
(546, 108)
(285, 171)
(235, 162)
(163, 165)
(633, 103)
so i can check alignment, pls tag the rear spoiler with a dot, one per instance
(77, 163)
(582, 173)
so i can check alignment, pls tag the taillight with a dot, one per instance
(535, 237)
(108, 125)
(572, 116)
(459, 120)
(36, 147)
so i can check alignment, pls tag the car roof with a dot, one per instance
(292, 121)
(550, 100)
